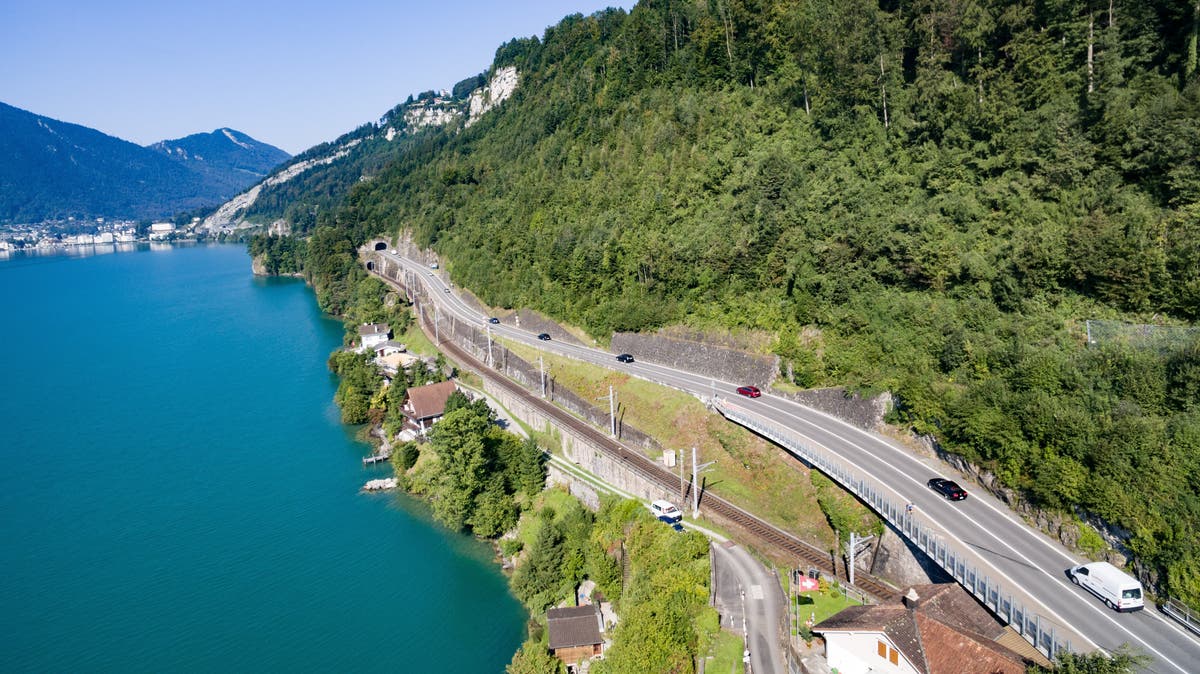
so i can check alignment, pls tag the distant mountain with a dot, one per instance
(51, 169)
(227, 157)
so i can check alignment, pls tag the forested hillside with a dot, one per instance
(928, 197)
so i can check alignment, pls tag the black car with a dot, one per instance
(671, 522)
(544, 337)
(948, 488)
(625, 358)
(493, 320)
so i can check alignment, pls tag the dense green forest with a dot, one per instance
(928, 197)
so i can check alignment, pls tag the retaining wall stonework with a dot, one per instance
(707, 359)
(895, 558)
(865, 413)
(577, 487)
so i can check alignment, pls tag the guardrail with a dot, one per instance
(1181, 614)
(1029, 625)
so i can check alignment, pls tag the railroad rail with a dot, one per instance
(649, 470)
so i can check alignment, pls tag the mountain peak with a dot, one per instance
(61, 169)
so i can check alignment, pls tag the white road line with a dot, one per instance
(464, 312)
(1085, 601)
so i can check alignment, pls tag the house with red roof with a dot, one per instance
(935, 629)
(427, 403)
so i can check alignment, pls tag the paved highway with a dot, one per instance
(1027, 562)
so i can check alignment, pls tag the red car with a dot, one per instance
(749, 391)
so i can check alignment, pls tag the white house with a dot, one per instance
(388, 347)
(373, 334)
(937, 629)
(161, 230)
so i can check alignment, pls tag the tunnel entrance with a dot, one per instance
(381, 245)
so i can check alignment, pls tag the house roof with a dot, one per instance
(391, 344)
(429, 400)
(373, 329)
(573, 626)
(945, 631)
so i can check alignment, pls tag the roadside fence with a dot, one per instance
(1037, 631)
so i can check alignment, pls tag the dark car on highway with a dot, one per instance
(749, 391)
(625, 358)
(948, 488)
(544, 337)
(493, 320)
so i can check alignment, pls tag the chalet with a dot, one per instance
(936, 629)
(427, 403)
(373, 334)
(576, 633)
(388, 347)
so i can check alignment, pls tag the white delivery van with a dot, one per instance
(1118, 589)
(667, 509)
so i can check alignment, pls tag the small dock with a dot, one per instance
(378, 457)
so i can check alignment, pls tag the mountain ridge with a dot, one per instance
(53, 170)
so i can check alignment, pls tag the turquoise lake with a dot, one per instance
(178, 494)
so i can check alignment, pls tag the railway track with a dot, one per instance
(717, 507)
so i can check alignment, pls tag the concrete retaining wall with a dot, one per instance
(709, 360)
(865, 413)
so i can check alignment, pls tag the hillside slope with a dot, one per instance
(931, 198)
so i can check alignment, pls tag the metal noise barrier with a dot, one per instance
(1032, 627)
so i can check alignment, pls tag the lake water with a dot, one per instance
(177, 493)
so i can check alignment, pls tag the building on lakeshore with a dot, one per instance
(427, 403)
(935, 629)
(373, 334)
(576, 634)
(161, 230)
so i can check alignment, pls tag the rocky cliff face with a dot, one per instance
(498, 89)
(406, 119)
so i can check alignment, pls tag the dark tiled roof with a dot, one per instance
(894, 620)
(573, 626)
(952, 605)
(373, 329)
(429, 400)
(947, 632)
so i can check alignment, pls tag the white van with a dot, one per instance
(1118, 589)
(667, 509)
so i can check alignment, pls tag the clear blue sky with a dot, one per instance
(289, 73)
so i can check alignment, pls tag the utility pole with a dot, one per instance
(437, 334)
(696, 483)
(853, 544)
(612, 411)
(491, 363)
(856, 542)
(682, 490)
(542, 369)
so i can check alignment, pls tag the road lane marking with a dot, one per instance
(692, 380)
(1086, 601)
